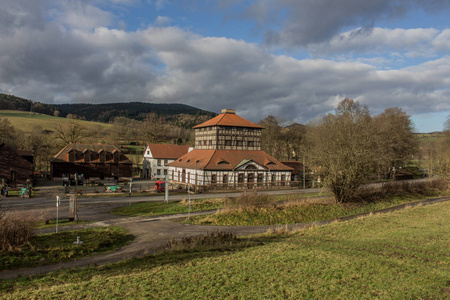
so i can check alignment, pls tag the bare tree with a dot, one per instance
(7, 132)
(397, 142)
(70, 132)
(153, 128)
(343, 147)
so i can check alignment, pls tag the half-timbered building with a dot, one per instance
(228, 154)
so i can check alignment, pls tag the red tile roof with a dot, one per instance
(228, 119)
(167, 151)
(61, 156)
(226, 160)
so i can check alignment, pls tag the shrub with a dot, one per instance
(15, 230)
(213, 241)
(247, 200)
(389, 190)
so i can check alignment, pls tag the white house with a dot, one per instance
(157, 156)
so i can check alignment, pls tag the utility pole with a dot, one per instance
(304, 175)
(76, 191)
(166, 189)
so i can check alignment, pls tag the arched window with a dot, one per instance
(259, 179)
(225, 179)
(241, 178)
(213, 178)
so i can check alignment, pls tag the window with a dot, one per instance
(241, 178)
(283, 178)
(239, 143)
(204, 143)
(259, 179)
(158, 171)
(213, 178)
(165, 172)
(274, 178)
(159, 162)
(225, 179)
(227, 142)
(210, 142)
(165, 162)
(251, 144)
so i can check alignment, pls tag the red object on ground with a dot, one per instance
(160, 186)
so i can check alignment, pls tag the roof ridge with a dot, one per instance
(60, 151)
(210, 158)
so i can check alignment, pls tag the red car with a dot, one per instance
(160, 186)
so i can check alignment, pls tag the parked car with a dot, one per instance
(160, 186)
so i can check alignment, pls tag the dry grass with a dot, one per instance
(16, 230)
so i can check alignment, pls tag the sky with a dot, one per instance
(293, 59)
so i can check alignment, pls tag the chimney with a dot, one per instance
(228, 111)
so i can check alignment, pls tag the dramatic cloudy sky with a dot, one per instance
(295, 59)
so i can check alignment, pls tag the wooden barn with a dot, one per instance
(14, 168)
(94, 161)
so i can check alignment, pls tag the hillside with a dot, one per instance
(26, 121)
(11, 102)
(177, 114)
(132, 110)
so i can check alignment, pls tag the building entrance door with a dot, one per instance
(250, 180)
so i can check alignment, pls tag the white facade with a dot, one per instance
(249, 175)
(156, 167)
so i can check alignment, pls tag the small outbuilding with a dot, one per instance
(14, 168)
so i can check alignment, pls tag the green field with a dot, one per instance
(400, 255)
(53, 248)
(26, 122)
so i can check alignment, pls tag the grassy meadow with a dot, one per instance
(53, 248)
(399, 255)
(26, 122)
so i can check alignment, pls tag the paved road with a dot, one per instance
(95, 208)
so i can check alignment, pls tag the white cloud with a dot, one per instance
(79, 15)
(51, 61)
(304, 22)
(162, 21)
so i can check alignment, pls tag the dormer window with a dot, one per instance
(87, 155)
(223, 162)
(102, 155)
(72, 155)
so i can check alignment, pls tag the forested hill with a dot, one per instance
(176, 114)
(11, 102)
(132, 110)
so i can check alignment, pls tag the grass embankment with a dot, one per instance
(57, 247)
(145, 209)
(61, 222)
(254, 210)
(400, 255)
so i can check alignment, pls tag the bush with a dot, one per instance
(246, 200)
(389, 190)
(213, 241)
(15, 230)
